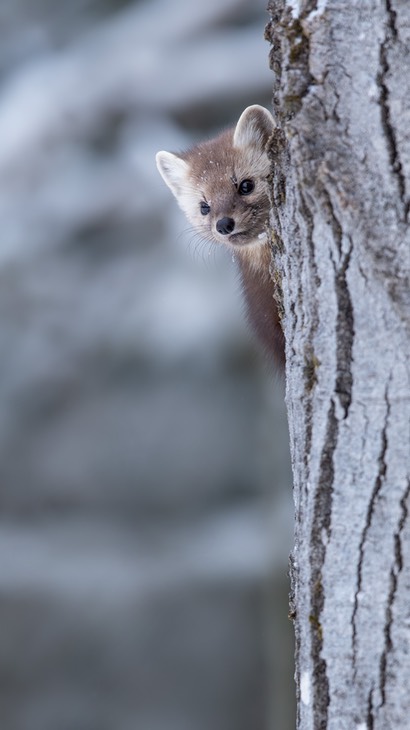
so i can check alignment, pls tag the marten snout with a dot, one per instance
(225, 225)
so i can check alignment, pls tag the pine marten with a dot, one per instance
(222, 187)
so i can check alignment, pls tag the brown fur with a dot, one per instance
(262, 310)
(210, 173)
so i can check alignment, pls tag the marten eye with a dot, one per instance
(205, 208)
(245, 187)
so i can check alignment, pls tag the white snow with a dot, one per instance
(305, 688)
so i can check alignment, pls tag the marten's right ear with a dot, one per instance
(254, 127)
(174, 171)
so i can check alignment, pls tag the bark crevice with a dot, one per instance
(321, 522)
(344, 335)
(370, 714)
(386, 117)
(394, 576)
(310, 360)
(369, 516)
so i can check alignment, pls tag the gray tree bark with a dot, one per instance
(341, 249)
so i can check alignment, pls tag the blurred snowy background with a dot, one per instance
(145, 491)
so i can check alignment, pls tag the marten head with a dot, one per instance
(221, 185)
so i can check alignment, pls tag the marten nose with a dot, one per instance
(225, 225)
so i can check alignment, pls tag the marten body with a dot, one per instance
(222, 187)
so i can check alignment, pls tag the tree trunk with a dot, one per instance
(341, 248)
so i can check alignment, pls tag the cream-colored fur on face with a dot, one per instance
(211, 173)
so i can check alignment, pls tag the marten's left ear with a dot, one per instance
(254, 127)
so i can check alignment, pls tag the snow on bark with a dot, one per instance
(341, 255)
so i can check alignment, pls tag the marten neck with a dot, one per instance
(261, 306)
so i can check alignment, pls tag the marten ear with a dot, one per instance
(254, 127)
(174, 171)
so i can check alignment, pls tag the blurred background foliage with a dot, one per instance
(145, 490)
